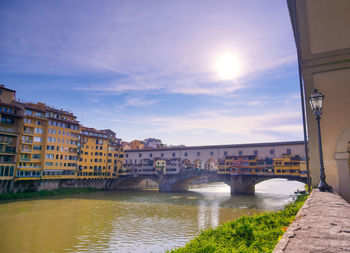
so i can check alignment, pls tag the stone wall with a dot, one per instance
(321, 225)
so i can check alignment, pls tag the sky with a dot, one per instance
(191, 72)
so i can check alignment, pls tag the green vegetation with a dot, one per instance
(37, 194)
(258, 233)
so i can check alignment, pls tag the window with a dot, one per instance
(28, 112)
(140, 155)
(37, 139)
(185, 154)
(289, 151)
(38, 122)
(126, 155)
(162, 154)
(225, 153)
(36, 147)
(27, 121)
(150, 155)
(255, 152)
(198, 153)
(51, 139)
(174, 154)
(48, 147)
(211, 153)
(49, 164)
(50, 156)
(38, 130)
(36, 156)
(240, 152)
(272, 151)
(51, 131)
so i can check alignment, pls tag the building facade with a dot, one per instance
(321, 30)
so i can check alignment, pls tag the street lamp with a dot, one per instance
(316, 102)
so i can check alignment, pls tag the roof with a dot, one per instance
(219, 146)
(2, 86)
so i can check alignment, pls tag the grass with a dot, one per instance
(39, 194)
(258, 233)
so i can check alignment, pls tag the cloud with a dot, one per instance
(140, 102)
(156, 46)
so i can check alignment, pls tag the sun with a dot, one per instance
(227, 66)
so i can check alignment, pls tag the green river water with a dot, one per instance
(138, 221)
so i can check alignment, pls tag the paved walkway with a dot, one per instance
(321, 225)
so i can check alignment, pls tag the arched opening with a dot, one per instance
(139, 182)
(341, 156)
(278, 186)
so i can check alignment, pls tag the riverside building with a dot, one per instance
(49, 143)
(11, 117)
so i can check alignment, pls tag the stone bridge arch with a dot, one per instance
(131, 182)
(181, 181)
(245, 184)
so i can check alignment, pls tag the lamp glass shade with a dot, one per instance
(316, 100)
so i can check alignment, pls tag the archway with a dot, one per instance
(341, 156)
(135, 182)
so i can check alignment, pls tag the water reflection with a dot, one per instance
(128, 221)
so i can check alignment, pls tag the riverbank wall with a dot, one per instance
(321, 225)
(10, 186)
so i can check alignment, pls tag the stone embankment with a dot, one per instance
(321, 225)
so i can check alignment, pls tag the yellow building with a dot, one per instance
(11, 116)
(93, 154)
(62, 142)
(49, 144)
(115, 159)
(287, 165)
(136, 144)
(31, 149)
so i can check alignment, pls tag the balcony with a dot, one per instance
(30, 167)
(26, 150)
(27, 141)
(11, 151)
(22, 159)
(27, 132)
(8, 130)
(8, 162)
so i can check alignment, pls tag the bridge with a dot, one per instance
(239, 184)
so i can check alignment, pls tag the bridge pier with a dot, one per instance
(172, 187)
(242, 184)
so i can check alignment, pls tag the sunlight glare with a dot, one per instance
(227, 66)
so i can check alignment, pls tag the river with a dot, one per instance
(138, 221)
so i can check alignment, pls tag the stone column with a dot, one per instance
(242, 184)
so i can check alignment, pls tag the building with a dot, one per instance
(101, 154)
(152, 143)
(321, 31)
(115, 158)
(205, 156)
(160, 165)
(93, 154)
(136, 144)
(49, 144)
(287, 165)
(11, 118)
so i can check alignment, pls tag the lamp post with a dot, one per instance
(316, 102)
